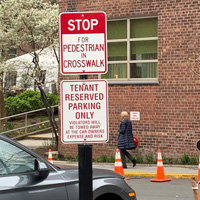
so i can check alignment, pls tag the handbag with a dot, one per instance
(136, 141)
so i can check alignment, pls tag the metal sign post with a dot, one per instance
(85, 169)
(85, 172)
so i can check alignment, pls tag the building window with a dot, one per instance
(12, 53)
(132, 50)
(10, 80)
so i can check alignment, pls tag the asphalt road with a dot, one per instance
(179, 188)
(176, 189)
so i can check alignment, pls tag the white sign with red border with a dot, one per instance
(84, 111)
(135, 115)
(83, 43)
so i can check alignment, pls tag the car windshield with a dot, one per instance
(14, 160)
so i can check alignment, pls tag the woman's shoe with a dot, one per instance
(134, 162)
(125, 167)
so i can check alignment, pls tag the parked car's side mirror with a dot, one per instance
(41, 169)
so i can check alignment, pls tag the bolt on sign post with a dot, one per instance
(83, 43)
(84, 103)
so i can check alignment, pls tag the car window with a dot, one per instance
(14, 160)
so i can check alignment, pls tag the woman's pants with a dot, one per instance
(124, 153)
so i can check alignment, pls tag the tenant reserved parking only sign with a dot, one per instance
(83, 46)
(84, 111)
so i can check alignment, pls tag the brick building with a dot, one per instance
(152, 47)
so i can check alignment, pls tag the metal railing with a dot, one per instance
(26, 126)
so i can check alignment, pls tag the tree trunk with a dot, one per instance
(44, 98)
(50, 113)
(2, 109)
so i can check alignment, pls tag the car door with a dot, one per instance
(18, 179)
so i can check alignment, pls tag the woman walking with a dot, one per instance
(125, 140)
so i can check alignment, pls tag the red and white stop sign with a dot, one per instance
(83, 44)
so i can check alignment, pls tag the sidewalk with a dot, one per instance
(145, 170)
(35, 141)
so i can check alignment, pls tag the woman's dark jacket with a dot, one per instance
(125, 140)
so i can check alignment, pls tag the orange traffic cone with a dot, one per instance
(160, 170)
(118, 163)
(50, 159)
(199, 171)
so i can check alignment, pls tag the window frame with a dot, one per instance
(128, 40)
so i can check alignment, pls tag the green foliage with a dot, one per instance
(65, 157)
(75, 158)
(52, 98)
(14, 105)
(27, 101)
(69, 158)
(7, 126)
(112, 159)
(176, 161)
(139, 159)
(194, 160)
(149, 158)
(55, 157)
(167, 160)
(10, 94)
(105, 158)
(33, 99)
(186, 159)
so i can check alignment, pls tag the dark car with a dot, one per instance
(24, 175)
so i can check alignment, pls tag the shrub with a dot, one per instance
(27, 101)
(167, 160)
(149, 158)
(194, 160)
(139, 159)
(66, 157)
(14, 105)
(105, 158)
(53, 99)
(185, 159)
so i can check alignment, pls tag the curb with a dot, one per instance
(170, 175)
